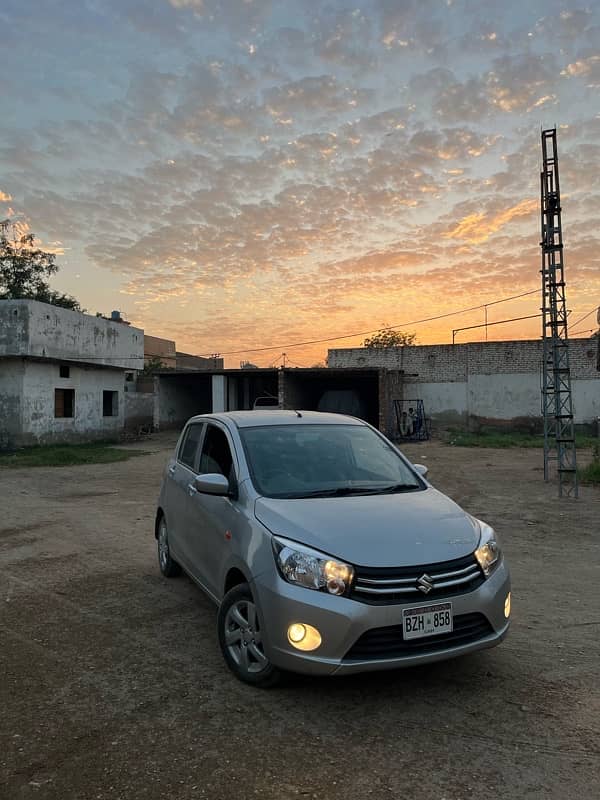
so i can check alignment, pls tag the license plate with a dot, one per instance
(427, 620)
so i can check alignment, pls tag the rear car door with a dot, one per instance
(180, 474)
(215, 519)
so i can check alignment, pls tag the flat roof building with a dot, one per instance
(62, 373)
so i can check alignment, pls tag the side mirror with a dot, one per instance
(212, 483)
(421, 469)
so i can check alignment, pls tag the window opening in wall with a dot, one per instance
(110, 404)
(64, 402)
(64, 371)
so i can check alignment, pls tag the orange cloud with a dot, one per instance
(477, 228)
(4, 197)
(198, 5)
(582, 67)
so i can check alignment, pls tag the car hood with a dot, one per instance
(404, 529)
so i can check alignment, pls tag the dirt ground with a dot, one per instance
(112, 685)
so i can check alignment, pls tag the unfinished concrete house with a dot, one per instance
(62, 373)
(365, 393)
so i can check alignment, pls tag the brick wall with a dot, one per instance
(391, 387)
(189, 361)
(454, 362)
(478, 384)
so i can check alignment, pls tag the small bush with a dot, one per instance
(591, 473)
(500, 439)
(66, 455)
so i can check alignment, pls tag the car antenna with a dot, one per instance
(298, 414)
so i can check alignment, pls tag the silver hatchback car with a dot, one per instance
(325, 549)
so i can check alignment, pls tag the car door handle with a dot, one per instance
(192, 489)
(171, 470)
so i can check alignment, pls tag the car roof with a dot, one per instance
(271, 416)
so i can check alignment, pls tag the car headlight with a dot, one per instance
(310, 568)
(488, 553)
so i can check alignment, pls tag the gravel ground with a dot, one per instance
(112, 684)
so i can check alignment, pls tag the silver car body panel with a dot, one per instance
(378, 530)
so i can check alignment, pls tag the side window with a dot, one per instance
(216, 454)
(189, 446)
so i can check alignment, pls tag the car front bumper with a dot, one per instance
(342, 621)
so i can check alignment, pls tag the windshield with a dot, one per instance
(295, 461)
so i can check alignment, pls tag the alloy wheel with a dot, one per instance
(243, 638)
(163, 546)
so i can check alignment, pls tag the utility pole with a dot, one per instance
(557, 404)
(598, 336)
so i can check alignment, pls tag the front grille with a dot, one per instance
(380, 643)
(387, 585)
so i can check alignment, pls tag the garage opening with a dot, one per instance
(342, 391)
(247, 388)
(181, 395)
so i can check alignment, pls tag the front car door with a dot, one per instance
(214, 518)
(181, 473)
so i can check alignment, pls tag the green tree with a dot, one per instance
(25, 268)
(152, 365)
(388, 337)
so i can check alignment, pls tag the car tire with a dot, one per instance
(168, 566)
(241, 640)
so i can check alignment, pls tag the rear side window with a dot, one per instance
(216, 454)
(189, 446)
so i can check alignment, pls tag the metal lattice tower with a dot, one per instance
(557, 404)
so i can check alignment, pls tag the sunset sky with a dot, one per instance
(242, 173)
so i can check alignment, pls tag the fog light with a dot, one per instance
(296, 633)
(507, 606)
(303, 637)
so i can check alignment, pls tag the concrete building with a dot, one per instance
(366, 393)
(140, 390)
(162, 350)
(482, 384)
(62, 373)
(188, 361)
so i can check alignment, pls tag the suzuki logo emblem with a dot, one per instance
(425, 584)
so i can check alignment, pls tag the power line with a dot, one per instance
(375, 330)
(575, 324)
(489, 324)
(296, 364)
(586, 332)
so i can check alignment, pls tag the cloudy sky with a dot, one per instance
(243, 173)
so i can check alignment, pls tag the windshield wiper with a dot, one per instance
(341, 491)
(396, 487)
(345, 491)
